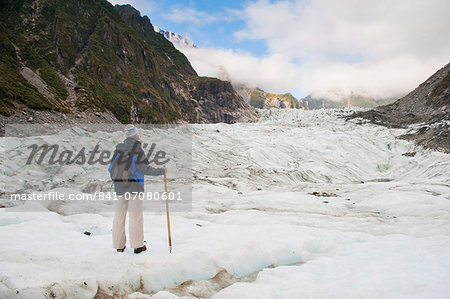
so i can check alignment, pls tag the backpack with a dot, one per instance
(123, 169)
(120, 168)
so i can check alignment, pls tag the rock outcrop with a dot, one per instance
(428, 105)
(265, 100)
(221, 101)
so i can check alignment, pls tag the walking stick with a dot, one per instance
(167, 212)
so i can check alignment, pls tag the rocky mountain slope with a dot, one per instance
(258, 98)
(428, 106)
(89, 61)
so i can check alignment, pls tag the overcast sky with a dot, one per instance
(328, 48)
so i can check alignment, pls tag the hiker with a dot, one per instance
(128, 167)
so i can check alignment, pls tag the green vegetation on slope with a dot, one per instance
(261, 99)
(114, 67)
(110, 56)
(176, 60)
(14, 89)
(257, 99)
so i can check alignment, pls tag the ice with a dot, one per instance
(390, 266)
(256, 230)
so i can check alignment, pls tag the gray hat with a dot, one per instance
(130, 131)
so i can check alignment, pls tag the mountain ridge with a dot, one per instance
(355, 100)
(176, 39)
(90, 61)
(261, 99)
(427, 106)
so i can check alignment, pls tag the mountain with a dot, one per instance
(88, 61)
(258, 98)
(264, 100)
(176, 39)
(428, 105)
(354, 100)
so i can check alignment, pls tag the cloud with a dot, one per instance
(377, 48)
(381, 79)
(273, 72)
(328, 48)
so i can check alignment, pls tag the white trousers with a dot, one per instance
(136, 223)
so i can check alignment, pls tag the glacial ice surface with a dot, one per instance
(301, 204)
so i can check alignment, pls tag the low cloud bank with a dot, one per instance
(332, 48)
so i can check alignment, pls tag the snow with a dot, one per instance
(392, 266)
(176, 39)
(384, 232)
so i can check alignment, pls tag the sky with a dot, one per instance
(325, 48)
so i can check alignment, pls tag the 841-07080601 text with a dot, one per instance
(152, 196)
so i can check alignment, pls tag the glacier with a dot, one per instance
(301, 204)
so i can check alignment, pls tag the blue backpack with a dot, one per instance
(123, 169)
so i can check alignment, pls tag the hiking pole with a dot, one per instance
(167, 211)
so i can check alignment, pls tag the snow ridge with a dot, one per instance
(178, 40)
